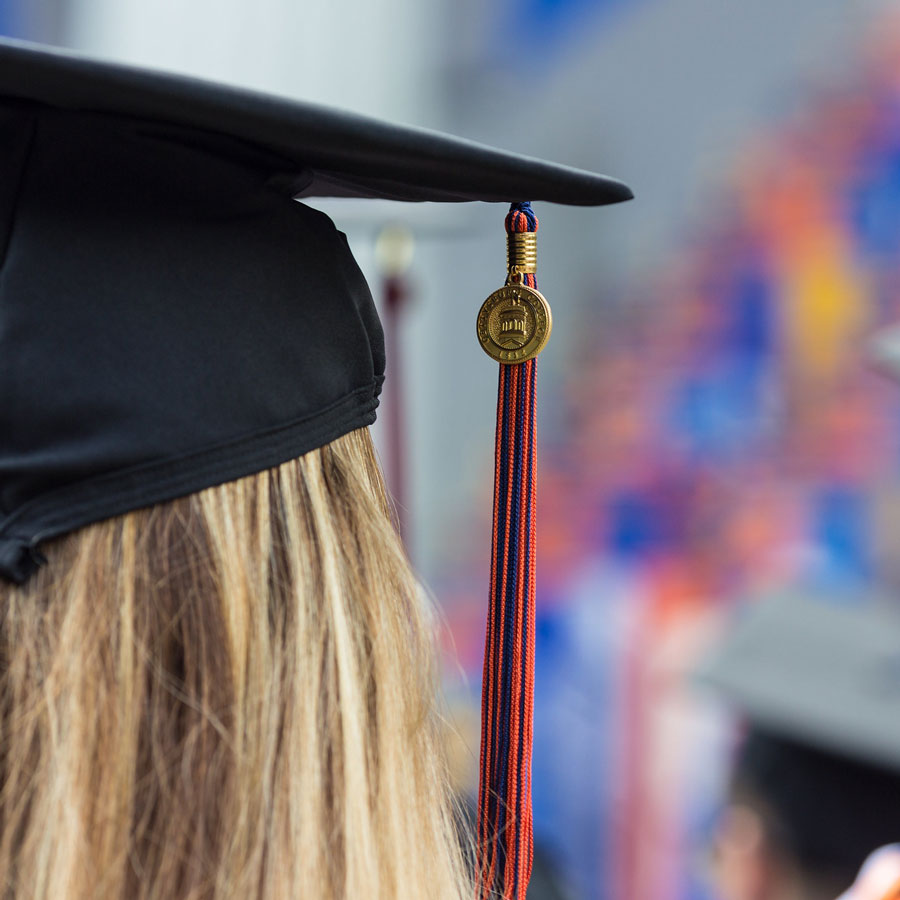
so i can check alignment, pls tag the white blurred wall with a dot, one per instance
(374, 57)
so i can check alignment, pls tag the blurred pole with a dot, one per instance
(393, 253)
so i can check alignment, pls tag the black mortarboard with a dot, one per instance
(321, 152)
(825, 673)
(170, 319)
(818, 683)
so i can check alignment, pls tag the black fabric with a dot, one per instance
(344, 154)
(168, 321)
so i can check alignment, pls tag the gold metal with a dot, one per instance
(514, 324)
(521, 251)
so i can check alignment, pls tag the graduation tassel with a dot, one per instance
(513, 326)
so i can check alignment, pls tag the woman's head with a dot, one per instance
(226, 695)
(229, 692)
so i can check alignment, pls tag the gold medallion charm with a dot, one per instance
(514, 324)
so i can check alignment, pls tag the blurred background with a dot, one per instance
(710, 425)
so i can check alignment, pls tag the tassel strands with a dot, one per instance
(505, 832)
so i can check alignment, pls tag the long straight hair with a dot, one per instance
(231, 695)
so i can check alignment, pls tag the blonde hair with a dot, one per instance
(230, 695)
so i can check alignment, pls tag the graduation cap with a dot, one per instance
(171, 319)
(823, 672)
(819, 685)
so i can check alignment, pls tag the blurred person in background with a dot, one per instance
(815, 786)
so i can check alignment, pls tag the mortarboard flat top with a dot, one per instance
(344, 154)
(823, 673)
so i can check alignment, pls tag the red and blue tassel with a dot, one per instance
(505, 831)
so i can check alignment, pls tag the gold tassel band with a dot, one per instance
(521, 252)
